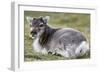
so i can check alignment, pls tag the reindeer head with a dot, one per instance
(37, 25)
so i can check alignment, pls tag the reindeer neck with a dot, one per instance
(47, 35)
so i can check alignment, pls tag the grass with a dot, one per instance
(77, 21)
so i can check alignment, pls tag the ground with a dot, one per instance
(77, 21)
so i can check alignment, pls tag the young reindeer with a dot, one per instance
(66, 42)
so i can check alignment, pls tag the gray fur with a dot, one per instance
(67, 42)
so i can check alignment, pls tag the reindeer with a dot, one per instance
(67, 42)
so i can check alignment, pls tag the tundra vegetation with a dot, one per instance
(79, 21)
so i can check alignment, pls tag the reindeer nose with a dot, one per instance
(33, 33)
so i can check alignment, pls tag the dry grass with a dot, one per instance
(77, 21)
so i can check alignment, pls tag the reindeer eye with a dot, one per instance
(41, 25)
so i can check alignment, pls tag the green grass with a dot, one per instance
(77, 21)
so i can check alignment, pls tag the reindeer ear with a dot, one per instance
(46, 19)
(29, 20)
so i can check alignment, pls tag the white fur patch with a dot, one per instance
(82, 49)
(64, 53)
(31, 28)
(38, 48)
(44, 51)
(36, 45)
